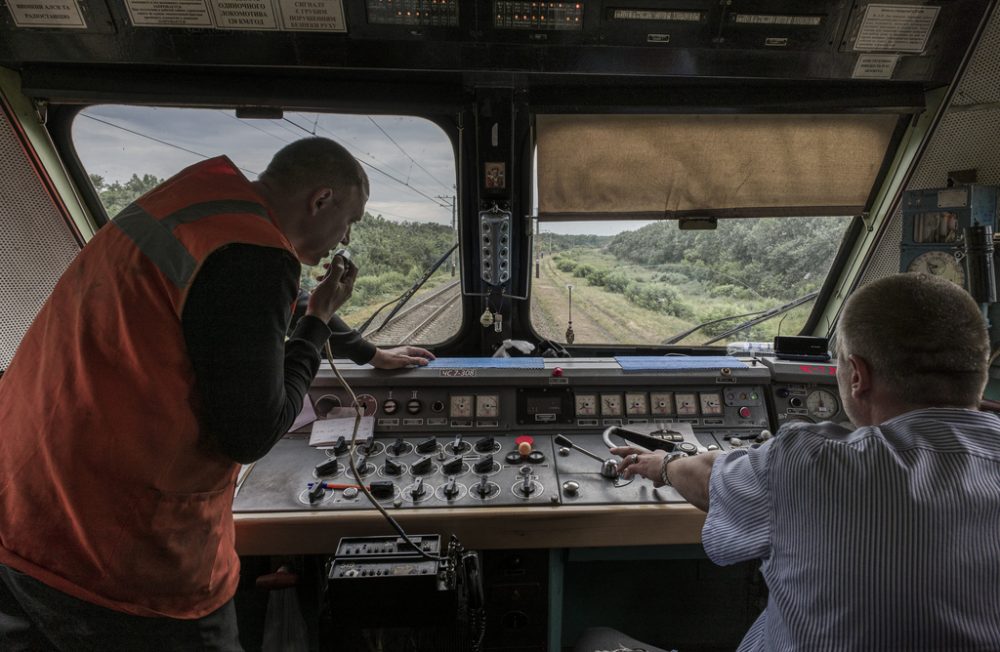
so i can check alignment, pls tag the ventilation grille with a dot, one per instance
(36, 244)
(963, 140)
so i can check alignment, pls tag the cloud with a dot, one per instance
(410, 161)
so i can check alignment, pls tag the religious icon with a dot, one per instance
(496, 176)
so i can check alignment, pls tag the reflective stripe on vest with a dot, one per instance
(156, 240)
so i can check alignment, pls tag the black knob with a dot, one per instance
(451, 489)
(456, 445)
(390, 406)
(484, 464)
(686, 447)
(428, 445)
(422, 466)
(328, 467)
(383, 489)
(485, 445)
(341, 446)
(536, 457)
(393, 467)
(414, 406)
(452, 466)
(513, 457)
(398, 447)
(317, 493)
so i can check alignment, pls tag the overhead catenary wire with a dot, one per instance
(158, 140)
(380, 171)
(407, 155)
(358, 150)
(253, 126)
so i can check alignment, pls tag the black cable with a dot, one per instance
(354, 469)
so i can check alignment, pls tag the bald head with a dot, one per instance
(316, 191)
(312, 163)
(924, 338)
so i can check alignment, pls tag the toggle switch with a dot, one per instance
(484, 464)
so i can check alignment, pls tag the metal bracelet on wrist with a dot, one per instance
(669, 457)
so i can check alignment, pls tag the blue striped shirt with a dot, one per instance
(884, 538)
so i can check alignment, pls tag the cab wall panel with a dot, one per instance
(36, 242)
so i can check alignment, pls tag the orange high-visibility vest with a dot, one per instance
(110, 490)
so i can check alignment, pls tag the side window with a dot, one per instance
(408, 226)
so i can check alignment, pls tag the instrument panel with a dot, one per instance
(514, 458)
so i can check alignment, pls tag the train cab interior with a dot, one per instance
(598, 215)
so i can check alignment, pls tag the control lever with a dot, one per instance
(451, 489)
(609, 467)
(483, 487)
(648, 442)
(527, 485)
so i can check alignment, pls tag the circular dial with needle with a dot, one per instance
(939, 263)
(822, 404)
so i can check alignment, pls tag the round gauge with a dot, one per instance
(822, 404)
(939, 263)
(326, 404)
(368, 402)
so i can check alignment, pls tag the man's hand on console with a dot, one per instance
(639, 461)
(401, 356)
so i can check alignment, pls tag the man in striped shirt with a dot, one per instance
(886, 537)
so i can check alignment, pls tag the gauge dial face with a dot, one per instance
(711, 403)
(822, 404)
(461, 407)
(939, 263)
(486, 406)
(368, 402)
(611, 405)
(636, 403)
(686, 403)
(662, 402)
(586, 405)
(326, 404)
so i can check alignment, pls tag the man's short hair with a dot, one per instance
(313, 163)
(923, 336)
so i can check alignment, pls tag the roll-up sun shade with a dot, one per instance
(663, 166)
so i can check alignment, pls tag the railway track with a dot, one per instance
(428, 319)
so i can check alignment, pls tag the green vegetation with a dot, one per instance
(746, 266)
(117, 195)
(780, 258)
(390, 257)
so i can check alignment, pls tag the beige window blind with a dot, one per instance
(663, 166)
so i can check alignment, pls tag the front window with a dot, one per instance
(650, 283)
(408, 227)
(767, 199)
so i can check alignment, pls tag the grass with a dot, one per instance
(601, 316)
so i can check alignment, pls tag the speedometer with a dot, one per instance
(822, 404)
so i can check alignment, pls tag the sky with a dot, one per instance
(410, 161)
(409, 166)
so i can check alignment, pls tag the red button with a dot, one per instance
(557, 372)
(745, 412)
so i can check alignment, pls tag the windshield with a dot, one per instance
(409, 222)
(649, 283)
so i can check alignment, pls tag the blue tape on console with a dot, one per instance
(677, 362)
